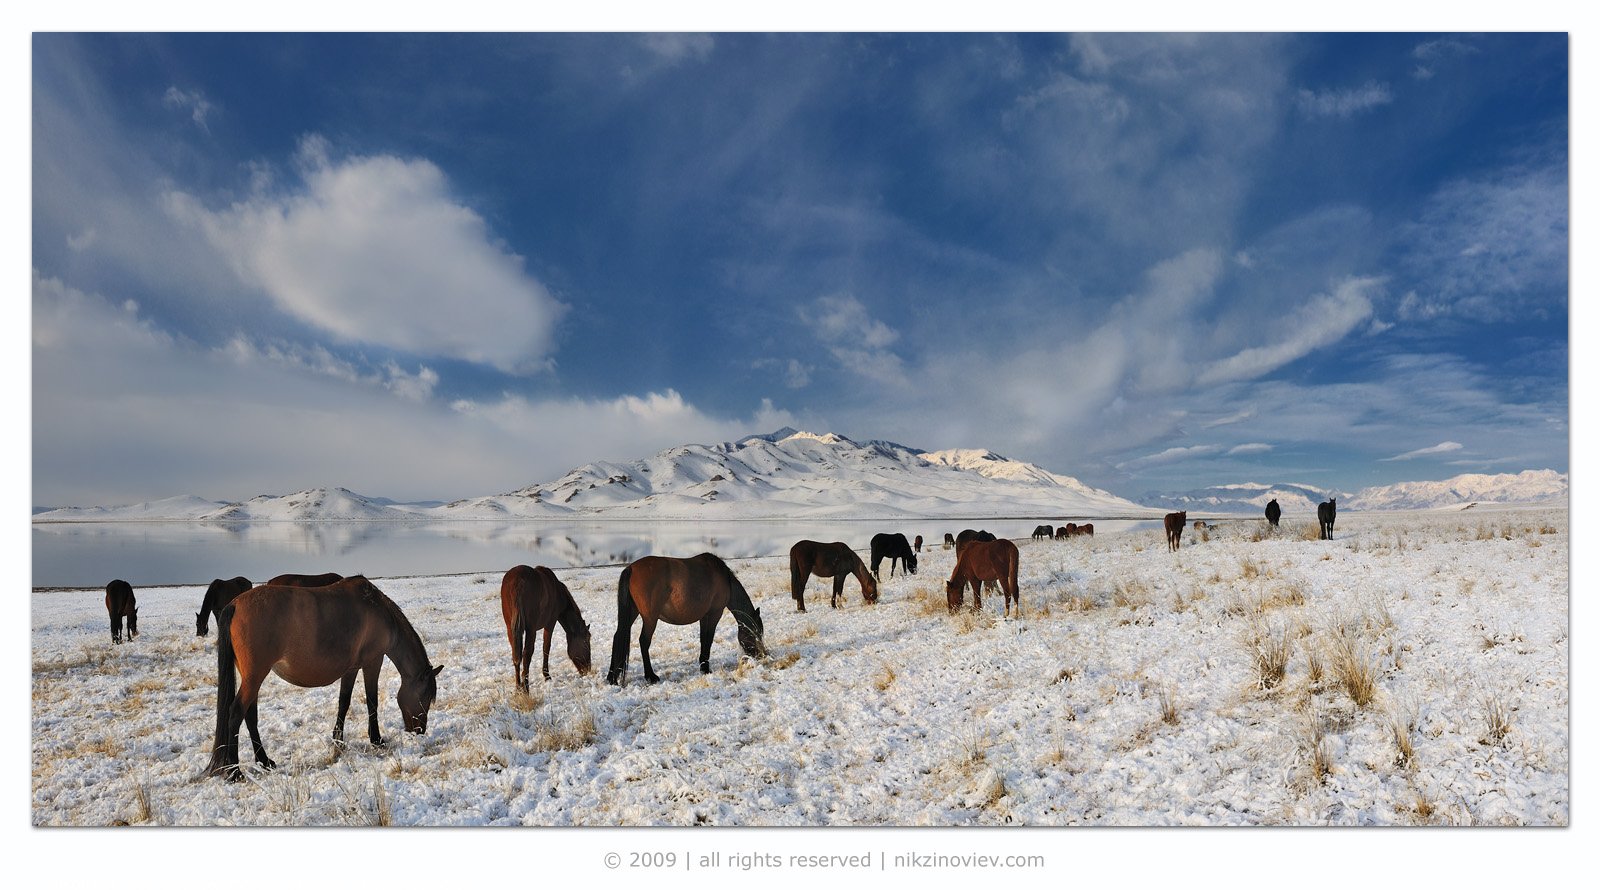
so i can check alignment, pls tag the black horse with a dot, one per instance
(968, 534)
(896, 548)
(1043, 532)
(1273, 512)
(1325, 514)
(121, 604)
(219, 594)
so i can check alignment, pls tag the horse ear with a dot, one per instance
(437, 668)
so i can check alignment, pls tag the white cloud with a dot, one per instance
(1250, 448)
(857, 340)
(676, 47)
(375, 250)
(1320, 323)
(1344, 103)
(1169, 456)
(1441, 448)
(125, 412)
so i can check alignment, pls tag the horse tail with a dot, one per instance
(225, 691)
(626, 612)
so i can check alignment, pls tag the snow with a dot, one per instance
(899, 713)
(783, 475)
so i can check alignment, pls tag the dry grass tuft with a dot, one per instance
(885, 677)
(1249, 568)
(1130, 593)
(382, 815)
(526, 702)
(1401, 725)
(550, 733)
(1169, 705)
(1269, 648)
(1497, 716)
(781, 662)
(142, 809)
(1314, 671)
(1354, 666)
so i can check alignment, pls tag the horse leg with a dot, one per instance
(647, 629)
(619, 647)
(518, 672)
(262, 760)
(547, 650)
(369, 674)
(116, 628)
(797, 586)
(133, 617)
(347, 686)
(708, 627)
(838, 588)
(977, 594)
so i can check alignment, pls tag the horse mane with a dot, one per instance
(397, 619)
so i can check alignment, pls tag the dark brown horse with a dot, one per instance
(219, 594)
(835, 560)
(1067, 531)
(1043, 532)
(1086, 529)
(314, 637)
(322, 580)
(120, 604)
(949, 540)
(979, 562)
(1174, 523)
(1273, 512)
(681, 591)
(895, 548)
(967, 536)
(534, 599)
(917, 544)
(1326, 511)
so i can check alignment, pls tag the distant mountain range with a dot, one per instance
(799, 475)
(1527, 487)
(785, 474)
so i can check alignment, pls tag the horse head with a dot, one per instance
(200, 623)
(751, 631)
(416, 697)
(911, 563)
(578, 649)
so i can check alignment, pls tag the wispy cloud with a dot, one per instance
(1441, 448)
(1250, 448)
(1321, 322)
(192, 101)
(1344, 103)
(1170, 456)
(1430, 54)
(376, 250)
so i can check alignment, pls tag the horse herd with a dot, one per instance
(314, 630)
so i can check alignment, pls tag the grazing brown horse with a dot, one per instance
(835, 560)
(917, 544)
(681, 591)
(120, 604)
(895, 548)
(949, 540)
(314, 637)
(983, 561)
(1067, 531)
(534, 599)
(1200, 524)
(1326, 511)
(322, 580)
(219, 594)
(1174, 523)
(1086, 529)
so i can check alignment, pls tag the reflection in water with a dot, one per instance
(150, 553)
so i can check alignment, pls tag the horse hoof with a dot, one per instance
(267, 763)
(652, 679)
(705, 667)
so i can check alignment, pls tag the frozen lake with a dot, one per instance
(89, 554)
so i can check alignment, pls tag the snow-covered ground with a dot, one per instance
(1137, 690)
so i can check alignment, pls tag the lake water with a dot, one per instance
(89, 554)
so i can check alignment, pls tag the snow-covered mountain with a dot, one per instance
(1299, 500)
(786, 474)
(791, 473)
(1295, 499)
(1526, 487)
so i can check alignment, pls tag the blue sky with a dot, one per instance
(439, 266)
